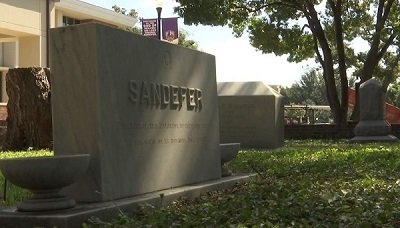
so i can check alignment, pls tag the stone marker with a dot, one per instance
(251, 113)
(372, 125)
(144, 110)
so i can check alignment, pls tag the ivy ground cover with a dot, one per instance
(311, 183)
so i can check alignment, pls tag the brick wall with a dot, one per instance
(326, 131)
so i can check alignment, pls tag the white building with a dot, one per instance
(24, 29)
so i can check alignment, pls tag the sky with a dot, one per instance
(236, 59)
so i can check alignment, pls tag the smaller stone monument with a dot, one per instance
(250, 113)
(372, 126)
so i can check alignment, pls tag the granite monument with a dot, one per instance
(372, 125)
(250, 113)
(146, 111)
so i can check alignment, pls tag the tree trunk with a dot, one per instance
(327, 64)
(375, 52)
(29, 109)
(337, 15)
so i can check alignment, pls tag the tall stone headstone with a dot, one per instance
(146, 111)
(251, 113)
(372, 125)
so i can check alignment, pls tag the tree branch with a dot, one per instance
(387, 10)
(383, 14)
(386, 46)
(319, 56)
(250, 9)
(380, 11)
(374, 54)
(332, 3)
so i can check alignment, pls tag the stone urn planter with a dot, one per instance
(228, 151)
(45, 177)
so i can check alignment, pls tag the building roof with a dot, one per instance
(85, 11)
(245, 89)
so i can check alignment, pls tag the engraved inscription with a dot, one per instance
(169, 138)
(162, 95)
(161, 125)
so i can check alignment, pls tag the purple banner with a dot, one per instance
(170, 30)
(149, 28)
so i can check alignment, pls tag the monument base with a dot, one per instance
(366, 139)
(74, 217)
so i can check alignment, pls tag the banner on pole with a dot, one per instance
(169, 30)
(149, 28)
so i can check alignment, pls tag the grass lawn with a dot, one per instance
(310, 183)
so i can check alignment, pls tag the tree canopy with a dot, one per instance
(309, 90)
(322, 29)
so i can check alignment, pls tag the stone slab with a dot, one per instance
(146, 111)
(372, 126)
(246, 89)
(109, 210)
(251, 113)
(372, 100)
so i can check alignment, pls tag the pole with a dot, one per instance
(159, 9)
(47, 32)
(5, 190)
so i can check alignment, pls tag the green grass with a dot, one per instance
(311, 183)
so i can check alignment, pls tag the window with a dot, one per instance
(70, 21)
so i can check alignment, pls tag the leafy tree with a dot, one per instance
(120, 10)
(393, 94)
(389, 71)
(184, 42)
(323, 29)
(309, 90)
(132, 13)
